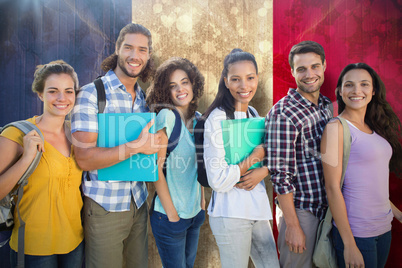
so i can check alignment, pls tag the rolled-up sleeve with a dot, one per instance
(221, 176)
(280, 141)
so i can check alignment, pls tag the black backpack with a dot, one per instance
(199, 147)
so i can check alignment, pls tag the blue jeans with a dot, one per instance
(73, 259)
(177, 242)
(240, 239)
(374, 249)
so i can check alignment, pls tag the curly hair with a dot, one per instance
(224, 98)
(110, 62)
(42, 72)
(379, 114)
(159, 95)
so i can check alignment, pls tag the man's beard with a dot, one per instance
(121, 63)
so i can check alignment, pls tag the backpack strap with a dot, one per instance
(175, 135)
(25, 127)
(197, 115)
(251, 111)
(199, 148)
(172, 143)
(100, 89)
(142, 92)
(347, 141)
(21, 230)
(101, 97)
(331, 108)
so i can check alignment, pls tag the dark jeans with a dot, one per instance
(177, 242)
(5, 249)
(374, 249)
(74, 259)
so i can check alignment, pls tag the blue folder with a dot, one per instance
(115, 129)
(240, 137)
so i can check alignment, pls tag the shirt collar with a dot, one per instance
(322, 101)
(115, 83)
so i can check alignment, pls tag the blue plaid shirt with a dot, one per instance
(111, 195)
(294, 127)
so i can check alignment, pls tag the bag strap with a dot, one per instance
(347, 140)
(251, 111)
(100, 89)
(21, 231)
(25, 127)
(172, 143)
(175, 135)
(331, 108)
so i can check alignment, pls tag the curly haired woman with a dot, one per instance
(179, 208)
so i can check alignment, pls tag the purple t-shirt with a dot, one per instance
(366, 184)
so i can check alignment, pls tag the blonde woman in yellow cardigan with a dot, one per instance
(52, 202)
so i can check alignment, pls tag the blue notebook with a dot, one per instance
(240, 137)
(115, 129)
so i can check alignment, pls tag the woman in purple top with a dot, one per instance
(362, 210)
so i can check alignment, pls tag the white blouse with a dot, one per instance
(227, 200)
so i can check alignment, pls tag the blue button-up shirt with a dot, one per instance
(111, 195)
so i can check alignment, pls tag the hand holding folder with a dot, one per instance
(240, 137)
(120, 128)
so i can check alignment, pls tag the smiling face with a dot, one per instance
(132, 56)
(357, 89)
(242, 82)
(181, 89)
(58, 95)
(308, 71)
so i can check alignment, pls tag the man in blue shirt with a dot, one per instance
(115, 212)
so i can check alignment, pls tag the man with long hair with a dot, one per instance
(115, 213)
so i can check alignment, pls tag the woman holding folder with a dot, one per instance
(239, 210)
(51, 204)
(179, 207)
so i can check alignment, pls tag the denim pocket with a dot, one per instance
(162, 226)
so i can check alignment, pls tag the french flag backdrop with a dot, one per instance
(83, 34)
